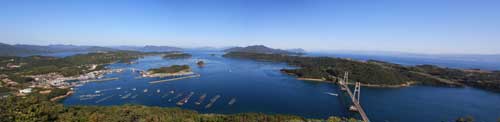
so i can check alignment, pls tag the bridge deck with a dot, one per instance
(355, 102)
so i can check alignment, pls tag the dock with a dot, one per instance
(100, 80)
(173, 79)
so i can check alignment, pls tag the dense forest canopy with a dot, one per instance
(170, 69)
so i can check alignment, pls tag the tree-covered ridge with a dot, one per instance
(176, 55)
(37, 108)
(170, 69)
(376, 72)
(67, 66)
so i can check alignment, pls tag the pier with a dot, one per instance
(172, 79)
(99, 80)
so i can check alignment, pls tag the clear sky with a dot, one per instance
(421, 26)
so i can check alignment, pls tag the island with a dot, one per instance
(377, 73)
(176, 55)
(174, 70)
(200, 63)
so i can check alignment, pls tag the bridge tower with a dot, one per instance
(357, 91)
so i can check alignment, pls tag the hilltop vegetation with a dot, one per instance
(170, 69)
(37, 108)
(67, 66)
(377, 72)
(24, 50)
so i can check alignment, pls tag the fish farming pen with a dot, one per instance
(212, 101)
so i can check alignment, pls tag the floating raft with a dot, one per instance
(185, 100)
(232, 101)
(212, 101)
(202, 97)
(126, 96)
(178, 95)
(133, 97)
(89, 96)
(103, 99)
(165, 95)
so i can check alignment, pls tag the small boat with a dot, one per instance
(118, 88)
(97, 92)
(172, 91)
(333, 94)
(232, 101)
(157, 90)
(145, 90)
(133, 89)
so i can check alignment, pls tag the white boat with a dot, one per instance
(333, 94)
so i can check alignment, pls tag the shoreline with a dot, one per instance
(69, 93)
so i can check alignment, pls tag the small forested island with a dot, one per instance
(168, 71)
(200, 63)
(176, 55)
(377, 73)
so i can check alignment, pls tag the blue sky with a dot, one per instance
(418, 26)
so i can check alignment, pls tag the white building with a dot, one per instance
(25, 91)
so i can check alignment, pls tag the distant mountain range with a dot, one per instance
(265, 50)
(149, 48)
(22, 49)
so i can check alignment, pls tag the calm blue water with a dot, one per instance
(260, 87)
